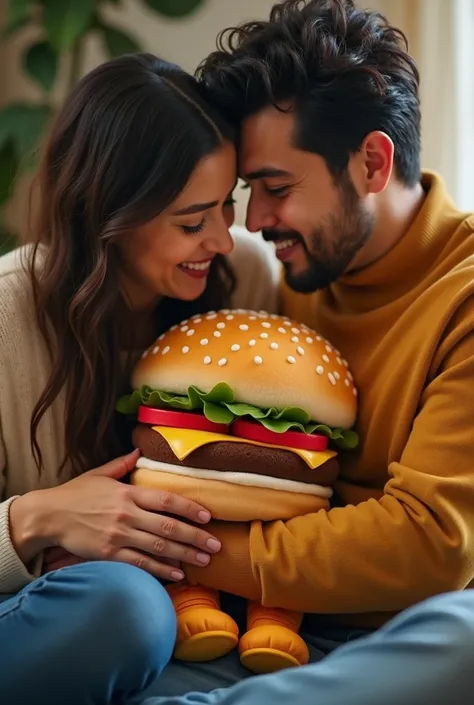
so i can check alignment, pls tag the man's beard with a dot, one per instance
(333, 244)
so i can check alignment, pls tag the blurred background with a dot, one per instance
(46, 45)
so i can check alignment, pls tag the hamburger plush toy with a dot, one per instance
(245, 413)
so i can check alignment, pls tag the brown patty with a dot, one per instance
(237, 457)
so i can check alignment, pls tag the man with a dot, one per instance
(378, 259)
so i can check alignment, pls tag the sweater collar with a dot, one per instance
(399, 270)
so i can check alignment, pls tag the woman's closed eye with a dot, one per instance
(194, 229)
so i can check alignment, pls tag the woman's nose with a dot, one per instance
(220, 242)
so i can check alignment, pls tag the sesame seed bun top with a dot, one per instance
(268, 360)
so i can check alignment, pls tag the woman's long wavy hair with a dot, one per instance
(121, 150)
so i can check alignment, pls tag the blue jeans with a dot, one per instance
(103, 633)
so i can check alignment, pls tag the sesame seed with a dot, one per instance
(309, 340)
(295, 331)
(184, 329)
(190, 332)
(287, 323)
(354, 391)
(230, 317)
(337, 375)
(211, 315)
(338, 360)
(185, 349)
(318, 338)
(266, 324)
(204, 341)
(291, 359)
(264, 335)
(274, 316)
(274, 346)
(320, 369)
(331, 377)
(197, 320)
(222, 361)
(281, 330)
(173, 327)
(344, 362)
(220, 325)
(235, 348)
(295, 339)
(165, 350)
(252, 342)
(258, 360)
(325, 358)
(145, 353)
(300, 350)
(161, 336)
(224, 311)
(156, 349)
(328, 348)
(252, 318)
(347, 383)
(243, 326)
(349, 376)
(207, 360)
(217, 334)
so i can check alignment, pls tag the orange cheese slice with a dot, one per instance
(184, 441)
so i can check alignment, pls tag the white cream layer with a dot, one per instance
(237, 478)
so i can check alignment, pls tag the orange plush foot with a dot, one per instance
(205, 632)
(272, 641)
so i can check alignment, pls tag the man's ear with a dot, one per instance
(376, 156)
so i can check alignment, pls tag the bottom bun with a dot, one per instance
(230, 502)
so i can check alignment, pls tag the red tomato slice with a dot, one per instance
(179, 419)
(290, 439)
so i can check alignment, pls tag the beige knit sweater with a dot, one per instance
(24, 370)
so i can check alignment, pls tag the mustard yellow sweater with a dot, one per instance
(406, 527)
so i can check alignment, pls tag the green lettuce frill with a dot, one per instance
(219, 406)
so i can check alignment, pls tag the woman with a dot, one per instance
(133, 236)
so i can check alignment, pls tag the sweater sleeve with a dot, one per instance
(382, 554)
(13, 573)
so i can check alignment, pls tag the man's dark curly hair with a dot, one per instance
(345, 71)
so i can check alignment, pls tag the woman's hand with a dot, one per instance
(96, 517)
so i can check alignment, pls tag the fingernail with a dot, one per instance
(204, 516)
(213, 544)
(203, 558)
(177, 575)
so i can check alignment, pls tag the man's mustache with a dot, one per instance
(278, 235)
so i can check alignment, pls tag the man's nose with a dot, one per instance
(260, 215)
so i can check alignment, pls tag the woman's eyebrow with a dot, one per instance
(196, 208)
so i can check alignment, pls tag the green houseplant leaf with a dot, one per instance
(9, 165)
(117, 41)
(24, 124)
(18, 15)
(174, 8)
(66, 20)
(41, 62)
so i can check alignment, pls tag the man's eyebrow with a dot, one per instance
(196, 208)
(265, 172)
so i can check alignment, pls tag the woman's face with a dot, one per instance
(171, 254)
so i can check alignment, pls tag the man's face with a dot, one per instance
(319, 225)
